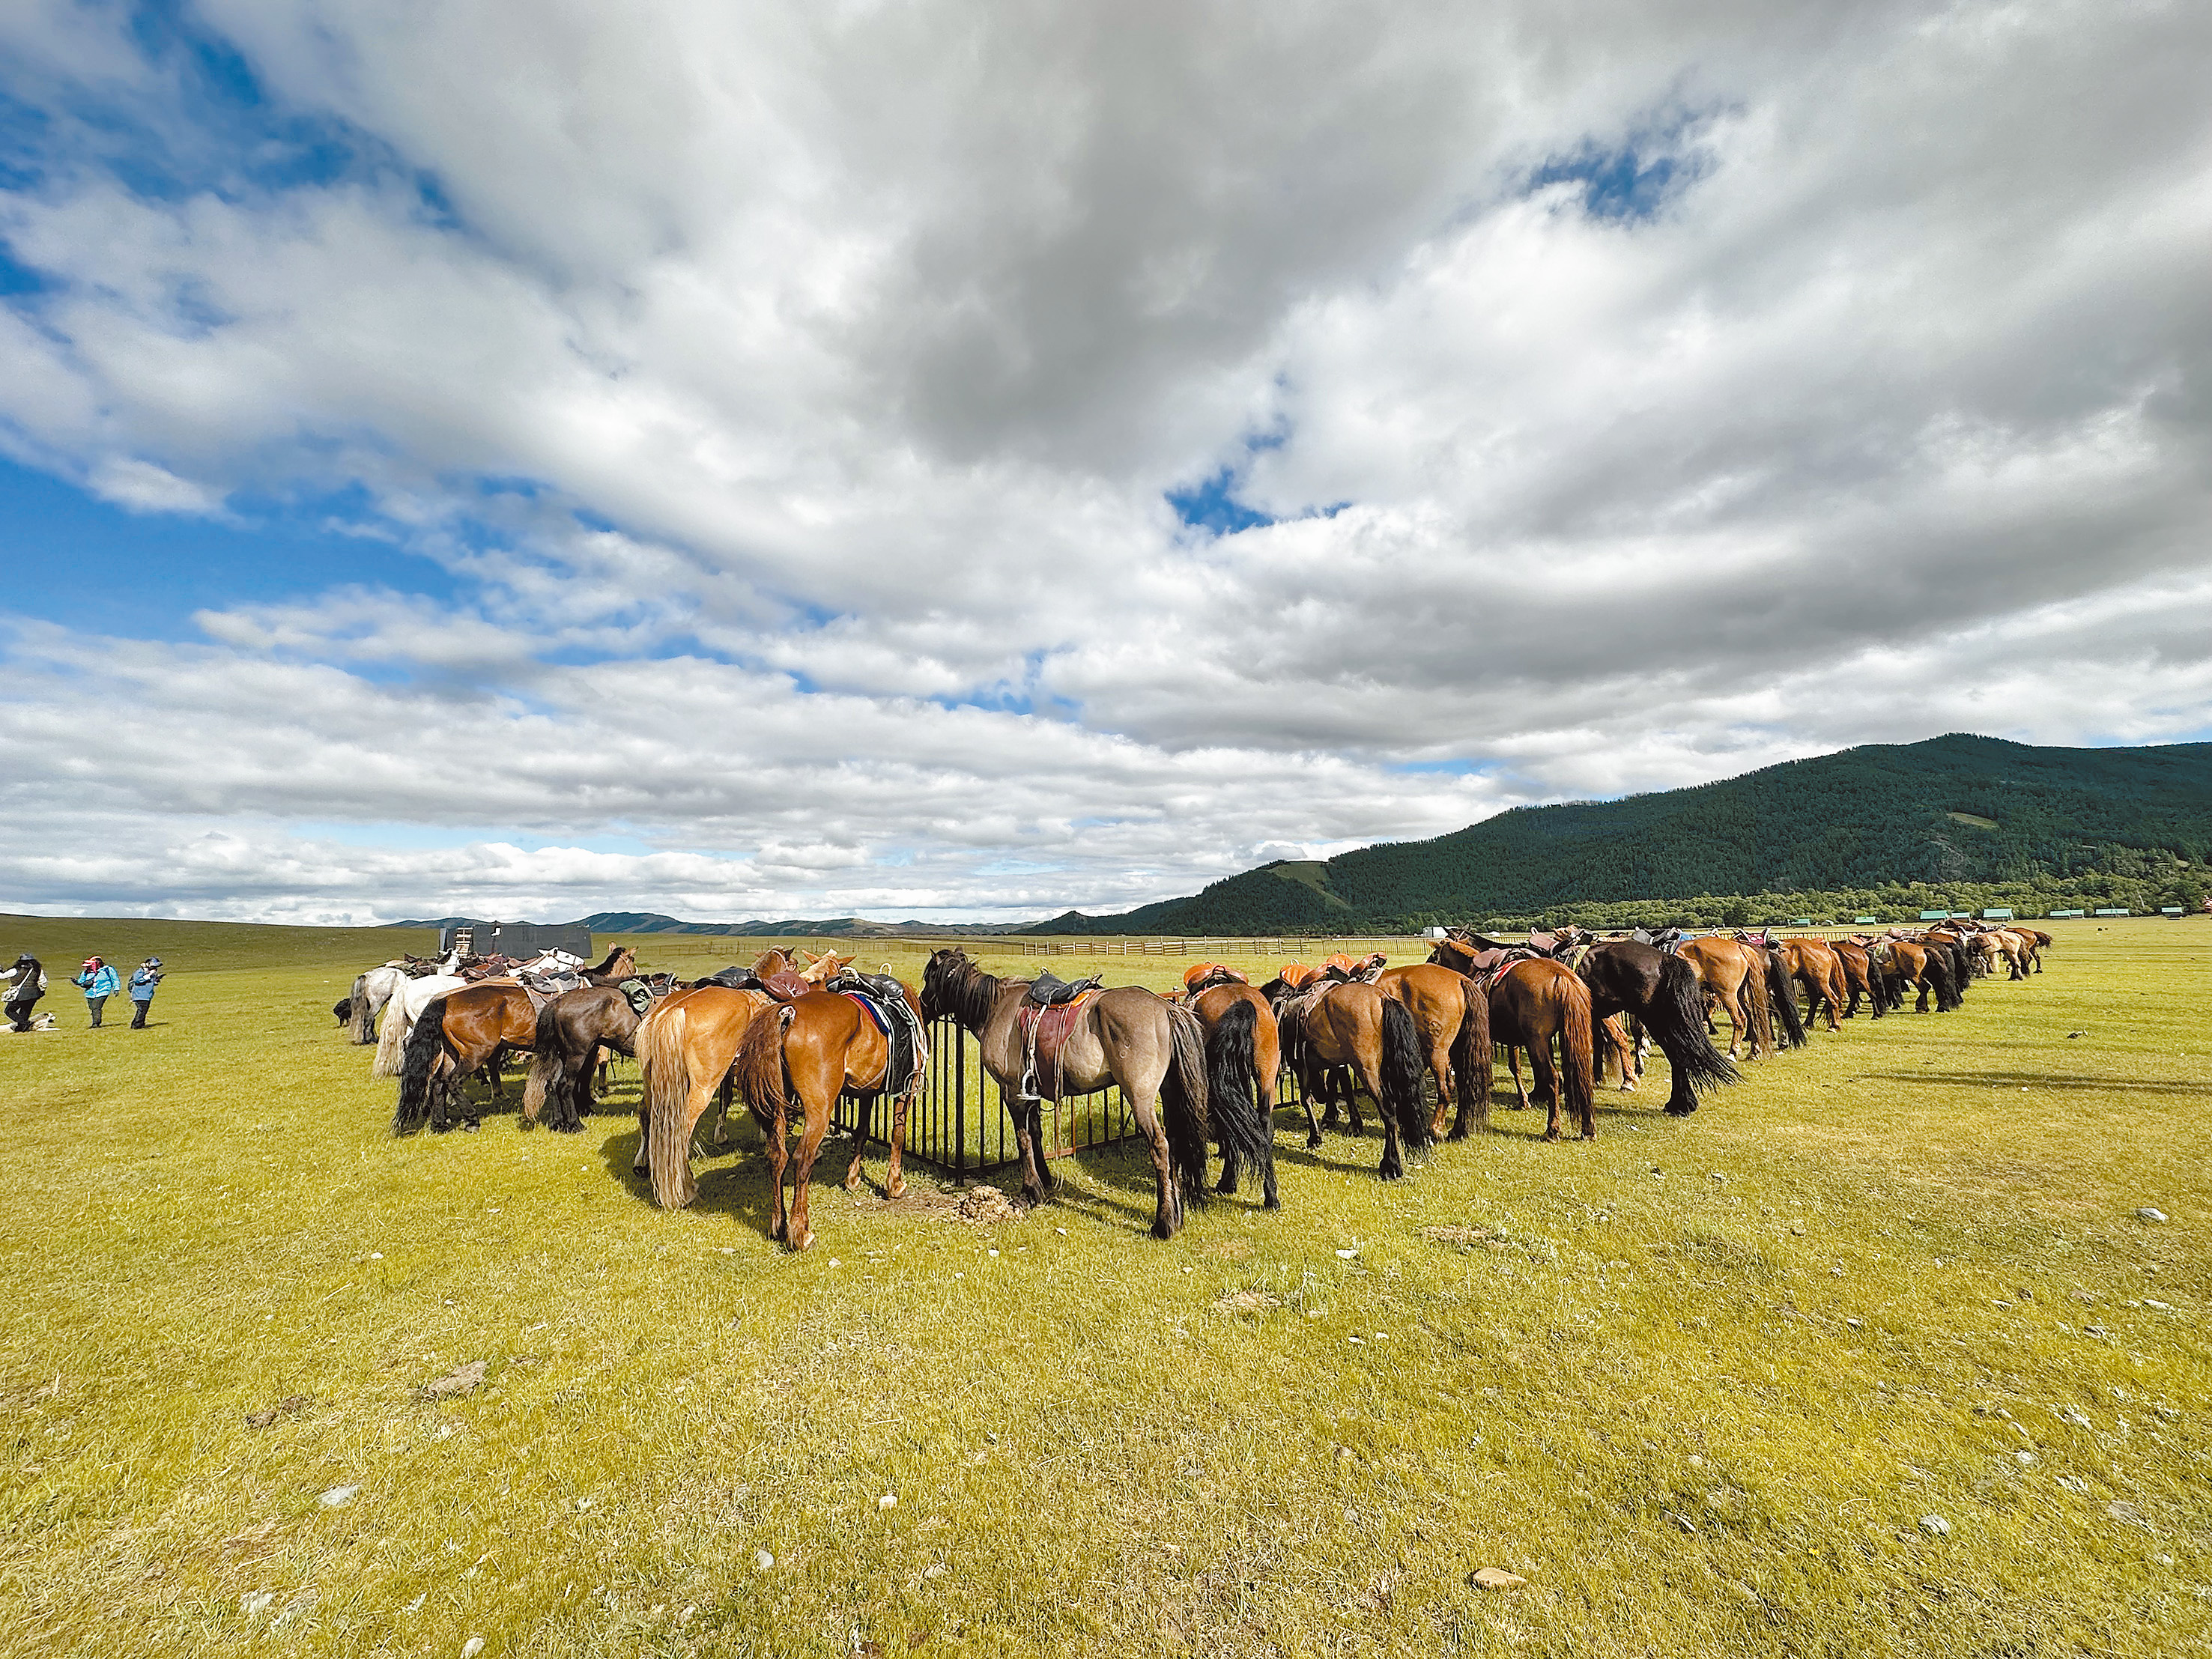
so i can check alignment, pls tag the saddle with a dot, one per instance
(1046, 1028)
(1196, 982)
(881, 997)
(1667, 940)
(644, 992)
(1486, 965)
(1342, 969)
(542, 988)
(735, 977)
(1469, 936)
(1049, 990)
(786, 986)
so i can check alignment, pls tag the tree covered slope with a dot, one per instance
(1955, 809)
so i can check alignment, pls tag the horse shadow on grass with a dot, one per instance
(2072, 1081)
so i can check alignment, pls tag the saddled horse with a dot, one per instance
(1329, 1025)
(1813, 963)
(401, 1011)
(1452, 1018)
(1856, 958)
(1912, 962)
(573, 1030)
(1735, 976)
(814, 1048)
(1127, 1034)
(1533, 1003)
(1661, 992)
(457, 1035)
(686, 1048)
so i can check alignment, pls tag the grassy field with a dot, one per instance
(1871, 1356)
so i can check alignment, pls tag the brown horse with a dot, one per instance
(1813, 963)
(816, 1047)
(685, 1048)
(573, 1030)
(1735, 976)
(1243, 1058)
(1857, 963)
(1533, 1004)
(1452, 1017)
(456, 1035)
(1910, 962)
(1152, 1048)
(1332, 1024)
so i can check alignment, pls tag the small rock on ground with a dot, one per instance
(1494, 1578)
(1935, 1526)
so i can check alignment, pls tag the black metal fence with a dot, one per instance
(959, 1124)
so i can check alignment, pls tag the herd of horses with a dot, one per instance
(1202, 1068)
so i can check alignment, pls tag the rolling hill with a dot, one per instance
(1957, 809)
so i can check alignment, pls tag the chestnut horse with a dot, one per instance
(1152, 1048)
(815, 1048)
(1352, 1025)
(1813, 963)
(686, 1048)
(1243, 1058)
(1735, 976)
(1856, 960)
(1532, 1003)
(1452, 1017)
(456, 1035)
(1910, 962)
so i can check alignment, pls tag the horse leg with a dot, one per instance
(1513, 1064)
(1030, 1163)
(1308, 1085)
(894, 1182)
(1394, 1162)
(1047, 1182)
(809, 1142)
(1549, 1079)
(1440, 1064)
(723, 1097)
(778, 1154)
(859, 1143)
(1167, 1216)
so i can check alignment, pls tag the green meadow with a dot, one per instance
(1875, 1355)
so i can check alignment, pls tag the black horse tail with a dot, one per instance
(1403, 1068)
(1945, 983)
(358, 1017)
(1471, 1056)
(1232, 1096)
(1184, 1104)
(1782, 995)
(1676, 1015)
(546, 1090)
(418, 1067)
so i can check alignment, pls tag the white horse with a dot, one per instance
(373, 989)
(400, 1013)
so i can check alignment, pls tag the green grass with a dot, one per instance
(1600, 1366)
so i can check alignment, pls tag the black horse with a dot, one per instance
(1662, 992)
(575, 1032)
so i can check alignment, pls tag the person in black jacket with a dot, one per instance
(27, 983)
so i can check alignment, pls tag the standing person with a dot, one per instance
(27, 983)
(99, 982)
(142, 990)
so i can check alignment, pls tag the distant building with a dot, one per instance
(2171, 910)
(1862, 920)
(1996, 915)
(2117, 910)
(1935, 915)
(2062, 915)
(516, 938)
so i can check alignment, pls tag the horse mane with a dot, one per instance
(972, 992)
(614, 955)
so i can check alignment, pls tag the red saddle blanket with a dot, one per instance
(1045, 1032)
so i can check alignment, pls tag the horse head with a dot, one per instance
(943, 977)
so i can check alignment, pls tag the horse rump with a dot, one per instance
(1782, 1000)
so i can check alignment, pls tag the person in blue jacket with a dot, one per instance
(143, 982)
(100, 983)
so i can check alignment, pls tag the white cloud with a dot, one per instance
(845, 355)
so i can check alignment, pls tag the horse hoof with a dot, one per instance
(1313, 1143)
(897, 1188)
(852, 1182)
(804, 1244)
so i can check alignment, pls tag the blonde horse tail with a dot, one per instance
(663, 1057)
(391, 1039)
(361, 1031)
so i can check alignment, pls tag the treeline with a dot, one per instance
(1960, 821)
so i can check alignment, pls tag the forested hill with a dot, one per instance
(1885, 817)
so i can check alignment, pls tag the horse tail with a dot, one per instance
(548, 1082)
(1402, 1069)
(1939, 975)
(1677, 1017)
(1471, 1059)
(1184, 1105)
(1577, 1055)
(392, 1036)
(1232, 1088)
(426, 1043)
(1782, 995)
(763, 1077)
(1761, 1013)
(664, 1059)
(359, 1031)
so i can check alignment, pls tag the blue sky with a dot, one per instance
(773, 463)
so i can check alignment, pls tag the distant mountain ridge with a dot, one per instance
(1957, 809)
